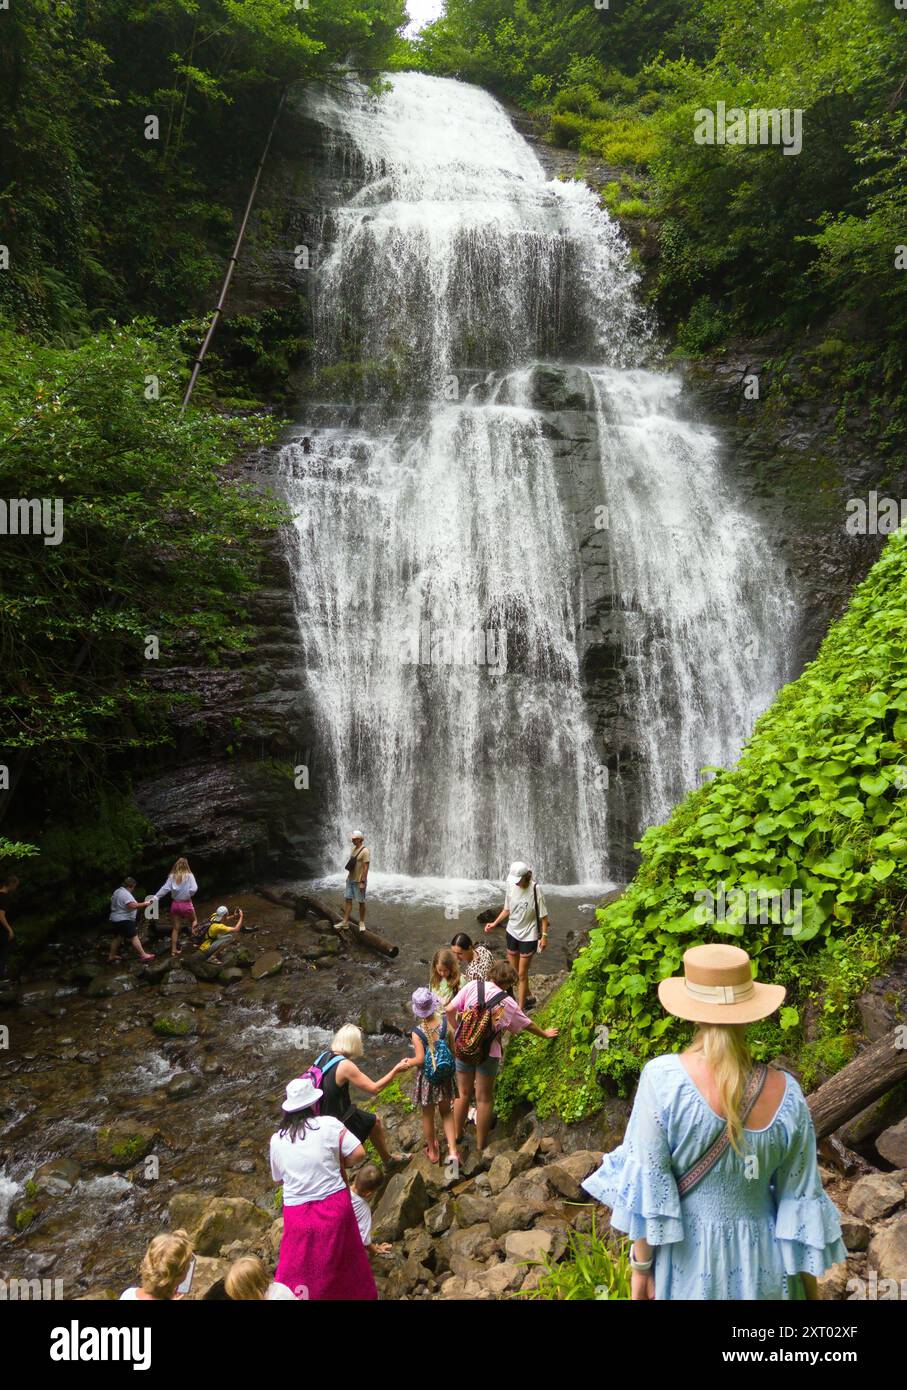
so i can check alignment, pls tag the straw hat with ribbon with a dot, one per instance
(717, 986)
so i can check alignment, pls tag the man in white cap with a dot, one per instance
(356, 879)
(223, 923)
(526, 916)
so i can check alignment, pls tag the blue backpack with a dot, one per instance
(439, 1062)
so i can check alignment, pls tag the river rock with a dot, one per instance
(108, 986)
(404, 1203)
(892, 1144)
(463, 1290)
(874, 1196)
(439, 1217)
(476, 1244)
(179, 1022)
(124, 1143)
(501, 1278)
(156, 970)
(528, 1245)
(57, 1177)
(569, 1171)
(201, 967)
(515, 1214)
(470, 1209)
(501, 1173)
(179, 981)
(230, 975)
(888, 1251)
(181, 1084)
(271, 963)
(85, 971)
(215, 1222)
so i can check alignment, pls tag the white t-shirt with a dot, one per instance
(520, 902)
(363, 1216)
(279, 1293)
(309, 1167)
(179, 892)
(119, 912)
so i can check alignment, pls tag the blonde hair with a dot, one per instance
(247, 1279)
(166, 1261)
(348, 1040)
(727, 1054)
(446, 958)
(180, 870)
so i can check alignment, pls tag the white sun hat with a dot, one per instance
(301, 1093)
(517, 871)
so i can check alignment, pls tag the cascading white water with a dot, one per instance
(440, 593)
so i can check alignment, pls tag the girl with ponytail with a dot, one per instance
(716, 1182)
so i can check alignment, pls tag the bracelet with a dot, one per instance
(641, 1266)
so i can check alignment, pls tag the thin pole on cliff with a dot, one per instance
(231, 264)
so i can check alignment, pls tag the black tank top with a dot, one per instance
(336, 1099)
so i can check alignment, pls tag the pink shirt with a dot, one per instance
(508, 1016)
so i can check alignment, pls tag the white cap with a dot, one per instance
(222, 912)
(517, 871)
(357, 835)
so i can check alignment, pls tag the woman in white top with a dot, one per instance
(181, 886)
(164, 1268)
(321, 1251)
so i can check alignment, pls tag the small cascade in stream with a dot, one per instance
(442, 584)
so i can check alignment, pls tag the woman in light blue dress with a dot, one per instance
(716, 1182)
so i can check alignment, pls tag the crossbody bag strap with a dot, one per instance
(706, 1162)
(343, 1135)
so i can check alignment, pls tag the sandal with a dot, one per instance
(433, 1152)
(396, 1160)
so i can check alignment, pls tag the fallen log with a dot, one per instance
(832, 1150)
(306, 905)
(868, 1076)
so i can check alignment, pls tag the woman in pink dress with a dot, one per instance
(321, 1251)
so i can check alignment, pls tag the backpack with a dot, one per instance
(316, 1075)
(475, 1030)
(439, 1062)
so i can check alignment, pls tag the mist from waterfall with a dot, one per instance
(441, 592)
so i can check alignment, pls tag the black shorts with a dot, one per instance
(521, 948)
(127, 930)
(361, 1123)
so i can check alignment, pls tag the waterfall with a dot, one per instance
(442, 580)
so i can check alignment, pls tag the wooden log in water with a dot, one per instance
(306, 905)
(868, 1076)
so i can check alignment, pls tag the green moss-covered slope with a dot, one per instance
(817, 806)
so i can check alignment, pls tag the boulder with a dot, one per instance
(157, 969)
(124, 1143)
(207, 1272)
(888, 1251)
(179, 1022)
(215, 1222)
(86, 971)
(476, 1244)
(438, 1218)
(230, 975)
(832, 1285)
(501, 1278)
(471, 1209)
(892, 1144)
(183, 1083)
(403, 1204)
(874, 1196)
(57, 1177)
(502, 1172)
(528, 1245)
(855, 1234)
(568, 1172)
(107, 986)
(514, 1214)
(178, 982)
(467, 1290)
(420, 1246)
(271, 963)
(273, 1239)
(403, 1278)
(201, 966)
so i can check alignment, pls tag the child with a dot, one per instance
(365, 1184)
(220, 925)
(435, 1074)
(445, 979)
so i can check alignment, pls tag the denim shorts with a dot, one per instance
(490, 1067)
(354, 892)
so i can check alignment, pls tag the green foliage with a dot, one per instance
(815, 806)
(592, 1268)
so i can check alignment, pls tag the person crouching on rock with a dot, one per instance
(339, 1072)
(223, 923)
(321, 1251)
(181, 886)
(526, 916)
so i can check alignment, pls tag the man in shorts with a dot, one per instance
(356, 879)
(526, 916)
(124, 912)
